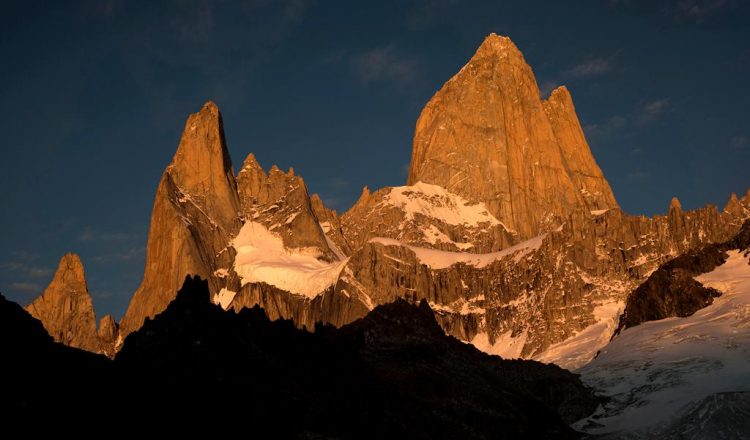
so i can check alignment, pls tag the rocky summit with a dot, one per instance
(194, 217)
(488, 136)
(67, 312)
(506, 227)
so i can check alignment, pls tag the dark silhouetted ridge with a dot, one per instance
(391, 373)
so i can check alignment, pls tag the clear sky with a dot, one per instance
(95, 96)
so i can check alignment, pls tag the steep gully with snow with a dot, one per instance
(507, 228)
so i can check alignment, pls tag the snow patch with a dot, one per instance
(224, 298)
(433, 235)
(461, 306)
(331, 245)
(262, 257)
(437, 259)
(578, 350)
(506, 346)
(436, 202)
(291, 218)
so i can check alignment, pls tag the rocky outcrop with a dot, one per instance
(672, 289)
(425, 215)
(488, 137)
(334, 306)
(194, 217)
(281, 203)
(108, 333)
(65, 308)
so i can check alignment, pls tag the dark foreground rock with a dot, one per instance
(392, 373)
(40, 377)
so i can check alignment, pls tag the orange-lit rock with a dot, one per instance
(487, 136)
(65, 308)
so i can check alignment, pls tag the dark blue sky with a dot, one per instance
(95, 95)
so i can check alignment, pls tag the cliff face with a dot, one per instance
(330, 223)
(487, 136)
(586, 175)
(194, 216)
(529, 299)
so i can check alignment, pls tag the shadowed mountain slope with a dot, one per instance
(393, 372)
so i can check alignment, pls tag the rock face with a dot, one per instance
(523, 300)
(65, 308)
(194, 217)
(108, 333)
(330, 223)
(67, 312)
(487, 136)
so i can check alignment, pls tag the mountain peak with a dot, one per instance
(498, 45)
(202, 166)
(70, 269)
(65, 308)
(250, 163)
(202, 138)
(733, 205)
(560, 95)
(675, 204)
(210, 107)
(194, 214)
(487, 136)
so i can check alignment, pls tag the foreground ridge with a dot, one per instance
(393, 372)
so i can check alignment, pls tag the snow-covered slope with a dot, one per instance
(437, 259)
(660, 373)
(580, 349)
(435, 202)
(427, 216)
(262, 257)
